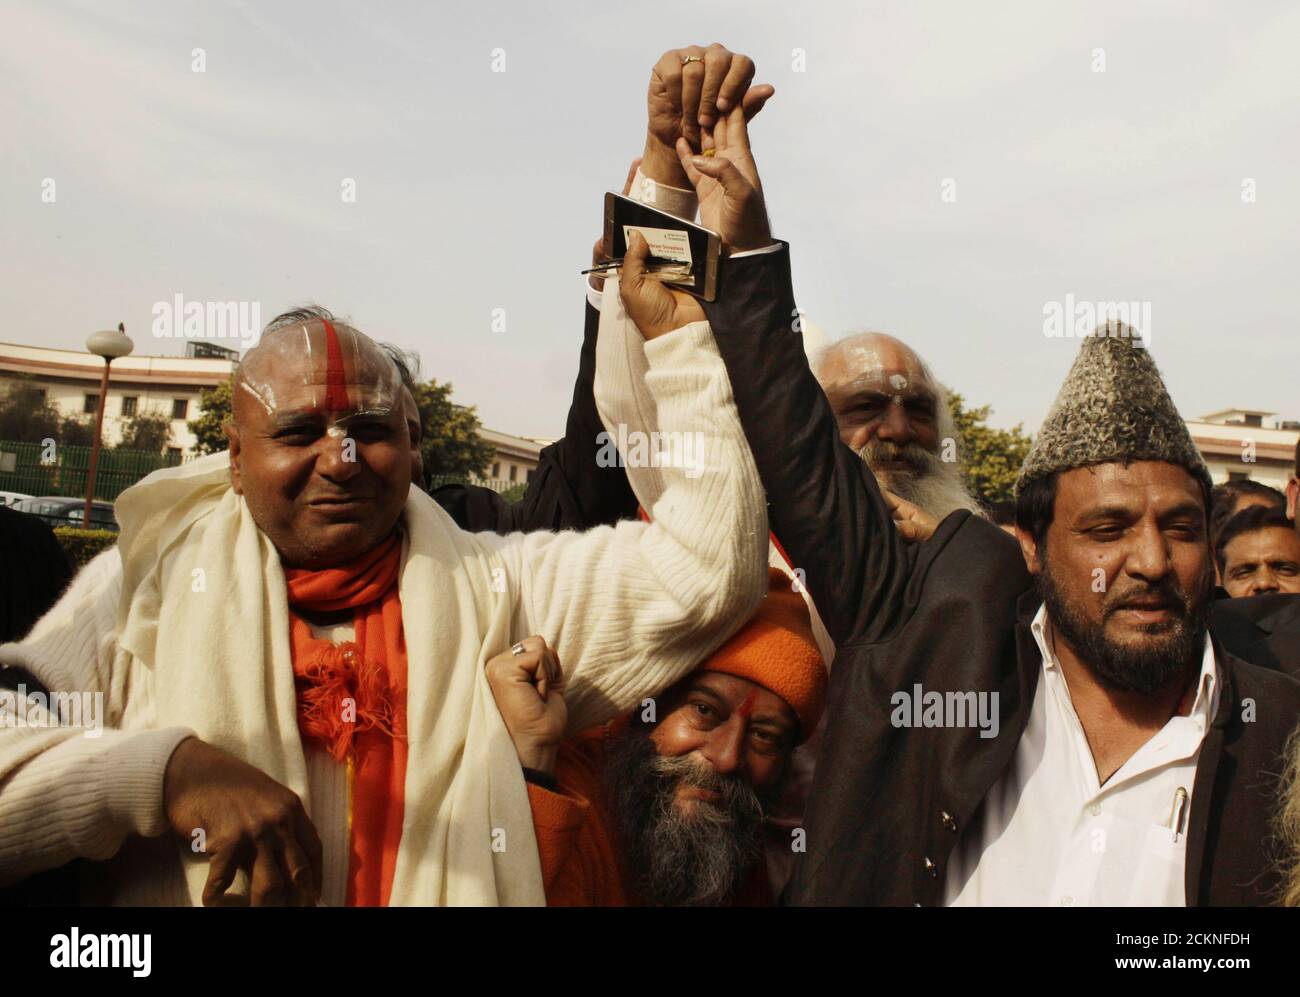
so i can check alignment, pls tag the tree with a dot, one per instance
(450, 443)
(27, 416)
(991, 458)
(77, 431)
(209, 429)
(150, 431)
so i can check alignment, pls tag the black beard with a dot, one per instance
(676, 858)
(1174, 648)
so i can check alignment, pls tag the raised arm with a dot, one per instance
(632, 608)
(825, 506)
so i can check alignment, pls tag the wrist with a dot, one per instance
(660, 164)
(539, 758)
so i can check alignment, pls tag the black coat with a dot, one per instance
(889, 804)
(34, 570)
(569, 491)
(1261, 629)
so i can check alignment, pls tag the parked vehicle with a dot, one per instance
(12, 498)
(59, 510)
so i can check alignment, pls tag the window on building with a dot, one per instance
(129, 404)
(513, 470)
(175, 453)
(91, 405)
(529, 477)
(496, 470)
(180, 408)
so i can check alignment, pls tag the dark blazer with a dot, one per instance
(1261, 629)
(569, 491)
(889, 804)
(34, 570)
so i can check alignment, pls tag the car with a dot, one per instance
(12, 498)
(60, 510)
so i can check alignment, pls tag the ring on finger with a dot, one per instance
(517, 649)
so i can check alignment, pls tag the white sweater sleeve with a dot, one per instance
(631, 608)
(66, 790)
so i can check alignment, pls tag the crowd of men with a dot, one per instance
(809, 668)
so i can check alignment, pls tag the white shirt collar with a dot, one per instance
(1204, 706)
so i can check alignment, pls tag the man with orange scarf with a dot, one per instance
(290, 644)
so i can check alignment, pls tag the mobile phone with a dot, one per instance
(705, 246)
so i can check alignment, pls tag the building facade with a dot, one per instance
(1240, 444)
(514, 458)
(137, 384)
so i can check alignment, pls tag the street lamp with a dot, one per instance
(110, 345)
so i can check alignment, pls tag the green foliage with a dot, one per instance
(82, 545)
(991, 458)
(26, 416)
(77, 431)
(514, 493)
(450, 443)
(209, 428)
(149, 432)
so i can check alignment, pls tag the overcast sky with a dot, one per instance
(478, 190)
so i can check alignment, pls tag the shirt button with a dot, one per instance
(949, 821)
(1095, 809)
(931, 868)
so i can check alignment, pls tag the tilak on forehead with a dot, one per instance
(869, 373)
(336, 385)
(350, 374)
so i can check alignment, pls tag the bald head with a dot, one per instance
(316, 365)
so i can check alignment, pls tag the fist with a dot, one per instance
(528, 689)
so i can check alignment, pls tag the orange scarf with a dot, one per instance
(352, 701)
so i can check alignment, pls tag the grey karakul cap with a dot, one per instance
(1113, 406)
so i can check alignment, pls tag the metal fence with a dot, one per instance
(438, 480)
(55, 469)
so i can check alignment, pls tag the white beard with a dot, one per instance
(938, 489)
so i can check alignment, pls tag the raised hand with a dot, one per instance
(690, 88)
(656, 309)
(529, 691)
(727, 183)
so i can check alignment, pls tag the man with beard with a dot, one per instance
(667, 812)
(893, 414)
(1133, 761)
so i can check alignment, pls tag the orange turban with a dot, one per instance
(776, 650)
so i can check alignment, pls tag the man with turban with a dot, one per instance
(666, 805)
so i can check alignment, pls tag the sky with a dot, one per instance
(943, 171)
